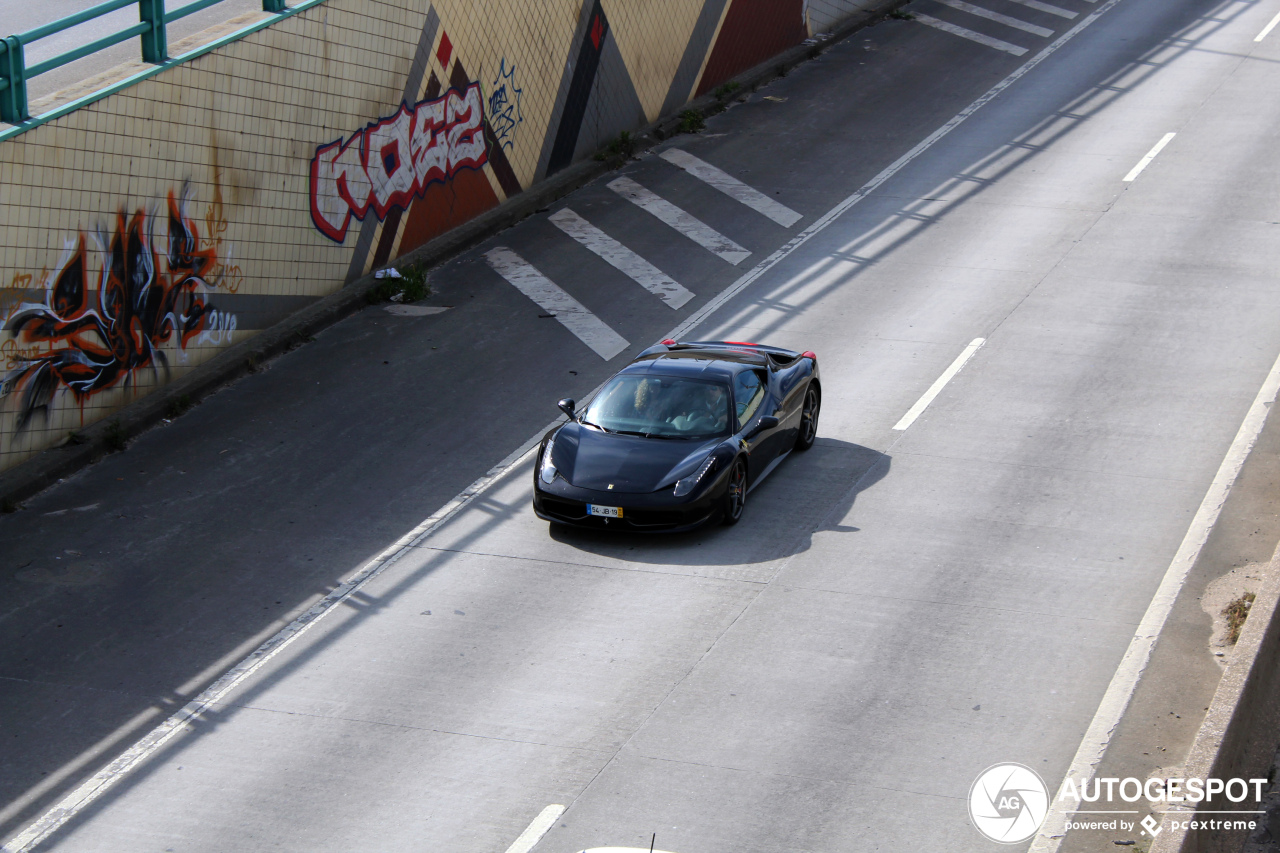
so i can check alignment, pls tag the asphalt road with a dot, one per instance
(900, 608)
(21, 16)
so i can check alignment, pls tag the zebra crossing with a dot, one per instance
(1004, 22)
(621, 258)
(572, 314)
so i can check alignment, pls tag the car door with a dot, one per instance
(788, 389)
(752, 400)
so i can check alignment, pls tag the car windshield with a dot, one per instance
(661, 407)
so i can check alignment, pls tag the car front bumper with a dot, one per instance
(660, 511)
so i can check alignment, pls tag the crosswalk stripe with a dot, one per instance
(621, 258)
(732, 187)
(931, 21)
(1046, 7)
(997, 17)
(691, 227)
(571, 313)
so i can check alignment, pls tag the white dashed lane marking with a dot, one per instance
(1151, 155)
(530, 837)
(571, 313)
(936, 388)
(1268, 28)
(688, 225)
(732, 187)
(621, 258)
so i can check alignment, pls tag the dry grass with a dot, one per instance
(1235, 613)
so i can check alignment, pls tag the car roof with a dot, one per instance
(718, 363)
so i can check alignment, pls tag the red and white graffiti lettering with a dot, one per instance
(396, 158)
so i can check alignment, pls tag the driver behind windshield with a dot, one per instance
(660, 406)
(706, 411)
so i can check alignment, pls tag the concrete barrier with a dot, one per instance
(1240, 730)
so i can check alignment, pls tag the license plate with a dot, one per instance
(606, 511)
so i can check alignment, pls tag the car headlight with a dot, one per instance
(548, 472)
(685, 485)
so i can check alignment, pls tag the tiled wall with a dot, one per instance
(142, 234)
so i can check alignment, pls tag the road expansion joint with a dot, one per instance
(338, 718)
(769, 774)
(1026, 465)
(573, 564)
(958, 605)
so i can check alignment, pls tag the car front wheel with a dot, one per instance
(808, 420)
(735, 497)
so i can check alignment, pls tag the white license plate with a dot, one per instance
(606, 511)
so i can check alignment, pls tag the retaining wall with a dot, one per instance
(144, 233)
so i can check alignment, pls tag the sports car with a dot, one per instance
(678, 437)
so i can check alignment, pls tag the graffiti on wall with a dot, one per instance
(396, 158)
(87, 339)
(504, 105)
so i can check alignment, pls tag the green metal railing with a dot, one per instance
(151, 28)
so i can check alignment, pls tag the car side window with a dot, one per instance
(748, 392)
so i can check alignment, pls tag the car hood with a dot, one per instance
(592, 459)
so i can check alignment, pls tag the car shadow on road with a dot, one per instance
(809, 493)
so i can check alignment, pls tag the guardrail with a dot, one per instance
(153, 19)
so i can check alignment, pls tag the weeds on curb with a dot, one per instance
(409, 286)
(414, 284)
(899, 15)
(8, 506)
(74, 437)
(114, 437)
(725, 90)
(618, 150)
(691, 121)
(382, 290)
(178, 406)
(1236, 612)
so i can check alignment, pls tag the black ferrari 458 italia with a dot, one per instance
(678, 437)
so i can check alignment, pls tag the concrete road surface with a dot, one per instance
(902, 607)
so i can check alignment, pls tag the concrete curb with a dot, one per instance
(1239, 732)
(48, 467)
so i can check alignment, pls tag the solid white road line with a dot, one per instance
(1268, 28)
(997, 17)
(1045, 7)
(1125, 680)
(544, 821)
(621, 258)
(732, 187)
(939, 384)
(964, 33)
(1151, 155)
(106, 778)
(571, 313)
(695, 229)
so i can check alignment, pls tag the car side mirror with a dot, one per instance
(566, 406)
(765, 424)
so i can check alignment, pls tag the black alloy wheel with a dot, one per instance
(808, 420)
(735, 497)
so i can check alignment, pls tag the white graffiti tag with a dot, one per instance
(396, 158)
